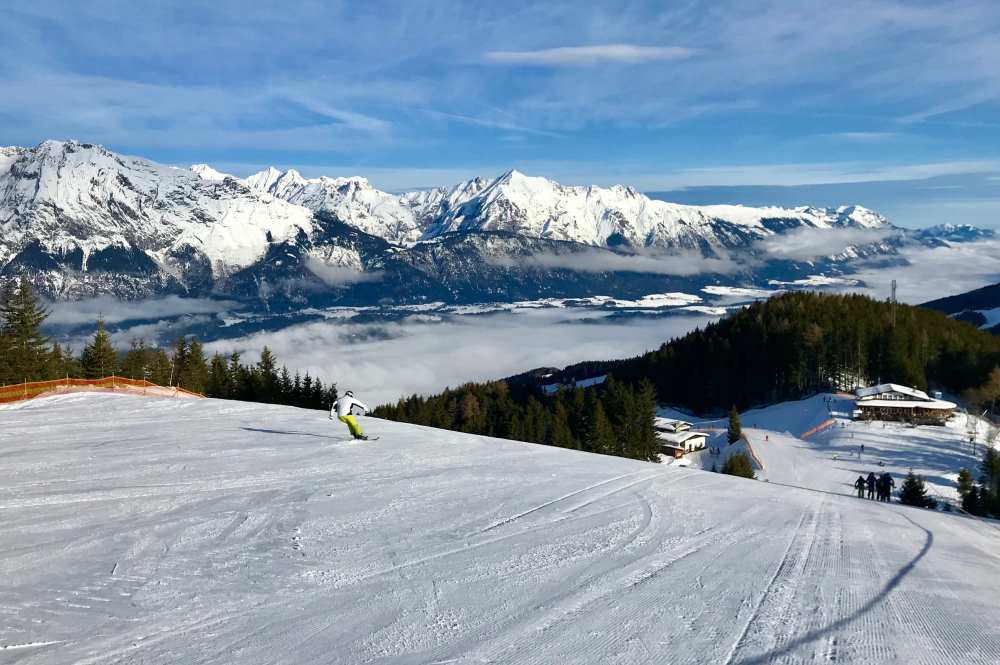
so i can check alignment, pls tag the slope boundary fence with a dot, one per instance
(753, 453)
(118, 384)
(819, 428)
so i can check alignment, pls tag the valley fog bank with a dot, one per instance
(384, 362)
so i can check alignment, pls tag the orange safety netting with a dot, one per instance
(819, 428)
(23, 391)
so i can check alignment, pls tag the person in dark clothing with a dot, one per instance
(871, 485)
(887, 484)
(859, 485)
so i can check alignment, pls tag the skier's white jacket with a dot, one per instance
(342, 406)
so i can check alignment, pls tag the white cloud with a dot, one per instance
(590, 55)
(427, 357)
(333, 275)
(867, 136)
(597, 260)
(936, 272)
(805, 244)
(113, 310)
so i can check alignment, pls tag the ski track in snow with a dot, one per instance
(215, 532)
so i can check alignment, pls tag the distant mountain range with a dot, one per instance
(80, 221)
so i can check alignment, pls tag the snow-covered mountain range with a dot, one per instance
(81, 220)
(540, 208)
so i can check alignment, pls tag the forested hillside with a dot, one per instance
(616, 419)
(799, 343)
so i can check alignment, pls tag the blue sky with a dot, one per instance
(895, 105)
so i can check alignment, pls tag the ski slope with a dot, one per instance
(832, 459)
(145, 530)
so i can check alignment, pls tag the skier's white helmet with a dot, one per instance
(349, 394)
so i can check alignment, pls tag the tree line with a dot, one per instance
(981, 493)
(612, 419)
(26, 354)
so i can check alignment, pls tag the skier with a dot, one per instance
(343, 408)
(871, 485)
(859, 484)
(887, 484)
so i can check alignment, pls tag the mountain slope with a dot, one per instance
(86, 221)
(220, 530)
(980, 307)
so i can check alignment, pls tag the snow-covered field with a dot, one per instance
(154, 531)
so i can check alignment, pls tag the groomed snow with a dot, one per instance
(153, 531)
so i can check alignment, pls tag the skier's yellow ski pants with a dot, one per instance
(352, 425)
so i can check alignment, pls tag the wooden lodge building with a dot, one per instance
(677, 438)
(891, 401)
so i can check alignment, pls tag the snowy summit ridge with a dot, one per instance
(538, 207)
(81, 220)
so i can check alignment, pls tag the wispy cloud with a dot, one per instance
(113, 310)
(805, 244)
(334, 275)
(867, 136)
(590, 55)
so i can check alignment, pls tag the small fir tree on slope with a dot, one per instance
(914, 492)
(99, 358)
(735, 430)
(739, 465)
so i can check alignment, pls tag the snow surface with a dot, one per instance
(206, 172)
(220, 532)
(817, 280)
(992, 317)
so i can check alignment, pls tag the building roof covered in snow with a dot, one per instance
(679, 438)
(671, 425)
(886, 388)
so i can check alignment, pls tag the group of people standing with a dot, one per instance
(879, 487)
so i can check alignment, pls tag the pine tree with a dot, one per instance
(59, 364)
(601, 435)
(739, 465)
(971, 501)
(965, 483)
(159, 367)
(180, 360)
(471, 417)
(136, 361)
(219, 384)
(267, 368)
(735, 430)
(193, 374)
(7, 364)
(285, 386)
(914, 493)
(99, 359)
(648, 447)
(25, 348)
(560, 434)
(989, 470)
